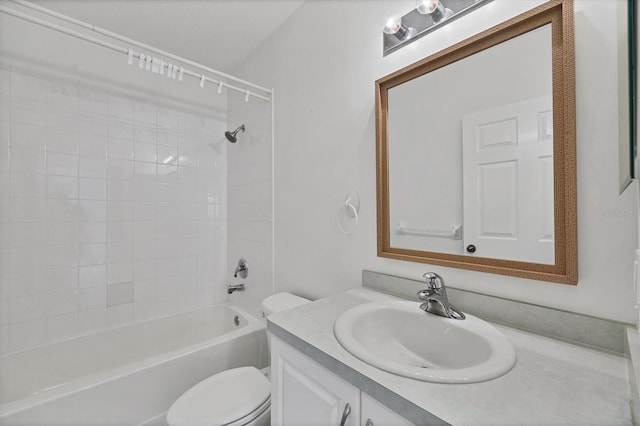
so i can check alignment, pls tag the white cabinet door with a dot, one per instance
(305, 393)
(508, 181)
(376, 414)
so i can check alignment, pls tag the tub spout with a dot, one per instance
(235, 287)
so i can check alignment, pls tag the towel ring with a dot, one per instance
(350, 208)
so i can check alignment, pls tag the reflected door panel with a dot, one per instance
(508, 181)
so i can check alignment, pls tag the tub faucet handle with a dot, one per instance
(242, 269)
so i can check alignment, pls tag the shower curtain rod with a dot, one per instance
(127, 51)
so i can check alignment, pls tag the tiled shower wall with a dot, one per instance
(112, 209)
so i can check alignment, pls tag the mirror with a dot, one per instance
(476, 152)
(626, 17)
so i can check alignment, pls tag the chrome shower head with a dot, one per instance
(231, 136)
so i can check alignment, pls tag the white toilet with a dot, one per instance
(240, 396)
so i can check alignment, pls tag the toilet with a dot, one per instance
(240, 396)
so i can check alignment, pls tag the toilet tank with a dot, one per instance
(280, 302)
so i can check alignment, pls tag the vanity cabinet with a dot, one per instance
(305, 393)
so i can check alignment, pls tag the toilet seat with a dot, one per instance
(232, 397)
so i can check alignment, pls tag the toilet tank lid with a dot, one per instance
(282, 301)
(222, 398)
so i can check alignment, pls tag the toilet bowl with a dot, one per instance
(240, 396)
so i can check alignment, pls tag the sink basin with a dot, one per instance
(400, 338)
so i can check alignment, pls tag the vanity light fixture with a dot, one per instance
(428, 15)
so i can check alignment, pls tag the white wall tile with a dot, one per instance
(62, 256)
(61, 210)
(120, 210)
(92, 320)
(27, 334)
(120, 252)
(93, 167)
(27, 308)
(62, 141)
(27, 160)
(144, 309)
(28, 136)
(62, 233)
(61, 279)
(62, 326)
(62, 94)
(62, 164)
(118, 273)
(144, 172)
(92, 254)
(23, 259)
(92, 276)
(26, 112)
(4, 158)
(120, 148)
(92, 211)
(167, 138)
(92, 189)
(62, 187)
(120, 231)
(28, 209)
(144, 269)
(28, 185)
(28, 87)
(119, 294)
(120, 107)
(120, 314)
(5, 82)
(145, 135)
(27, 283)
(92, 232)
(144, 250)
(28, 234)
(144, 231)
(4, 339)
(144, 113)
(92, 145)
(61, 118)
(62, 302)
(144, 152)
(4, 312)
(120, 169)
(91, 298)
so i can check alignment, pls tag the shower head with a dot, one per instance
(231, 136)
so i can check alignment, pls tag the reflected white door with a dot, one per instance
(508, 182)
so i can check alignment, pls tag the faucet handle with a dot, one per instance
(434, 280)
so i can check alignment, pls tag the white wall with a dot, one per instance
(323, 63)
(112, 190)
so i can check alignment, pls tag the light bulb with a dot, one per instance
(434, 8)
(394, 26)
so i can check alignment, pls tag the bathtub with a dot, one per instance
(128, 375)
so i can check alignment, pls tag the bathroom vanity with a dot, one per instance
(316, 381)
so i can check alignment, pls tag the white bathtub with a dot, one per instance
(128, 375)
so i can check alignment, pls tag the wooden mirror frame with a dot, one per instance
(558, 13)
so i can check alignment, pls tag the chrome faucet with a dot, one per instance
(435, 300)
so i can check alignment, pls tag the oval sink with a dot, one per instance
(400, 338)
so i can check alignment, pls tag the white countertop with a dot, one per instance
(553, 382)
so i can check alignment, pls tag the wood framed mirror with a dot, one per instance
(476, 152)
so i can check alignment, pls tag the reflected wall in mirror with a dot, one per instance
(476, 152)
